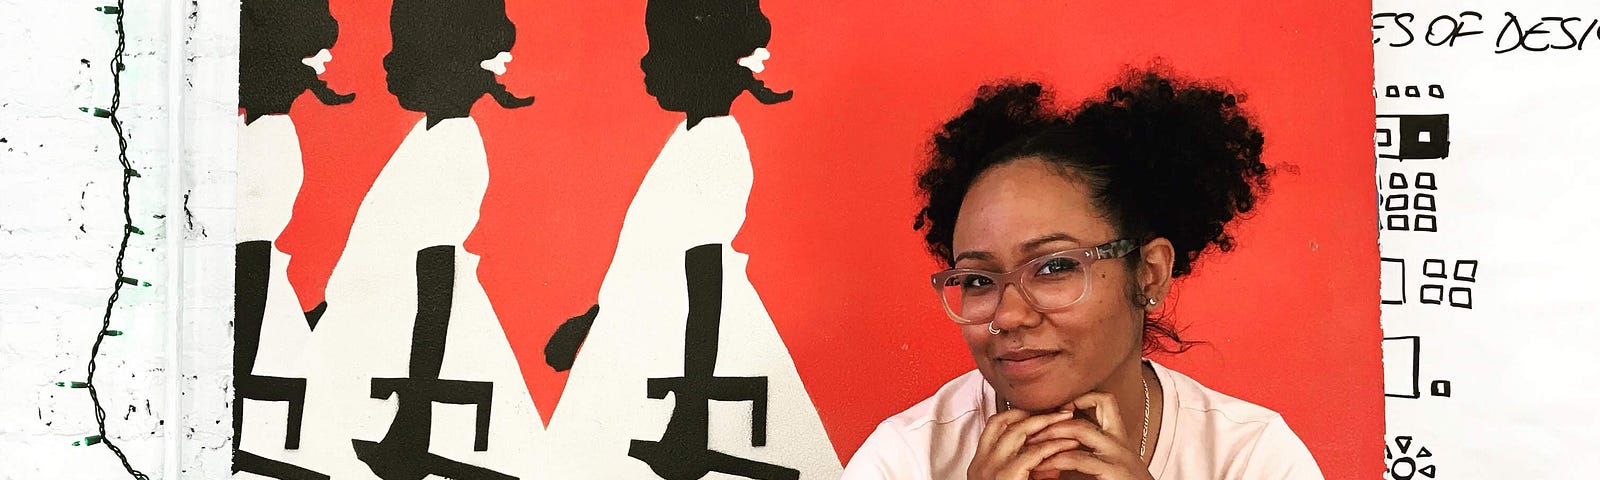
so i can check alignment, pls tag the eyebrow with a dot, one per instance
(1030, 246)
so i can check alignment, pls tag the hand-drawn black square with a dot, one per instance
(1399, 222)
(1461, 297)
(1402, 358)
(1433, 268)
(1392, 278)
(1466, 270)
(1424, 201)
(1427, 181)
(1432, 294)
(1397, 202)
(1426, 223)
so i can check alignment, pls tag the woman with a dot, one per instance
(1065, 231)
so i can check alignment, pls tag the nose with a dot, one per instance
(1013, 311)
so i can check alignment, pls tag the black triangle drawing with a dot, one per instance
(1423, 452)
(1404, 442)
(1426, 471)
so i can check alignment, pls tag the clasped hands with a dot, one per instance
(1085, 438)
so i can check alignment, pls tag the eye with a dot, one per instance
(1057, 266)
(971, 282)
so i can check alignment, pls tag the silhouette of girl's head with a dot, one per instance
(695, 46)
(437, 63)
(275, 39)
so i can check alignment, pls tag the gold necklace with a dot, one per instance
(1144, 432)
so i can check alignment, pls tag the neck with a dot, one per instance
(695, 117)
(1127, 384)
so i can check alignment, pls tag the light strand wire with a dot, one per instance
(122, 249)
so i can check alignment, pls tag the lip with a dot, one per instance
(1022, 364)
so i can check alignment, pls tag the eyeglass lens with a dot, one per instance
(1049, 283)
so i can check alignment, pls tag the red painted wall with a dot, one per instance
(1291, 315)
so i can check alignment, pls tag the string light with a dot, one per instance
(128, 174)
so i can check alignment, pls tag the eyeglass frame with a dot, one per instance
(1113, 249)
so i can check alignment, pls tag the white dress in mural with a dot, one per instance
(269, 178)
(694, 194)
(428, 195)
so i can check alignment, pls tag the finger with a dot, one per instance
(1017, 434)
(1104, 412)
(996, 426)
(1087, 434)
(1073, 461)
(1027, 460)
(1070, 428)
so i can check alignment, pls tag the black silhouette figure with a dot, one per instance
(683, 452)
(254, 261)
(434, 66)
(274, 36)
(695, 46)
(403, 452)
(692, 67)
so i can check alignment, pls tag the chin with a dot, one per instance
(1032, 401)
(1040, 394)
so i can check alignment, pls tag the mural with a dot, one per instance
(646, 274)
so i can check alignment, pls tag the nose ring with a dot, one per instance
(994, 331)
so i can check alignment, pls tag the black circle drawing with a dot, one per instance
(1406, 464)
(692, 65)
(435, 67)
(274, 37)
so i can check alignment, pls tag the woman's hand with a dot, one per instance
(1005, 451)
(1108, 453)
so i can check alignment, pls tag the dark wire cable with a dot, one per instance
(122, 250)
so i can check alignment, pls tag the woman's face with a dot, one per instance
(1012, 214)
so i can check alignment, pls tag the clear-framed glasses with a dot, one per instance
(1050, 283)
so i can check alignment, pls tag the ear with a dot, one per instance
(1154, 275)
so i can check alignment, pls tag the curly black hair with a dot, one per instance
(274, 36)
(433, 65)
(695, 46)
(1162, 157)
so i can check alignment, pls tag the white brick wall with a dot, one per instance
(60, 222)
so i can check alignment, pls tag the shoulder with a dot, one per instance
(1240, 437)
(937, 431)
